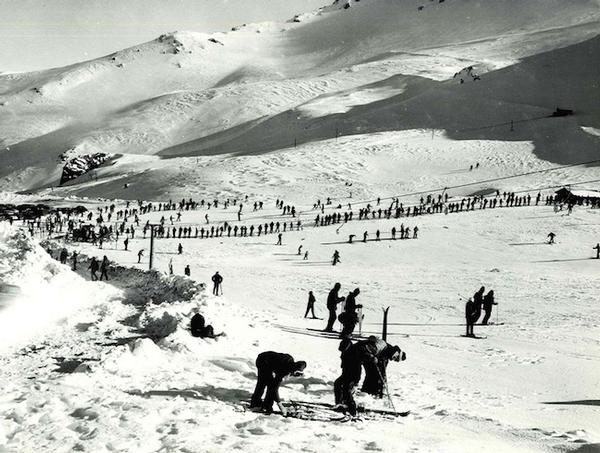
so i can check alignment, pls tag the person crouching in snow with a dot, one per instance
(272, 368)
(365, 353)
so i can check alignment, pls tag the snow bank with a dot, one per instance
(49, 292)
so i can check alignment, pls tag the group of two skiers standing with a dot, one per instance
(349, 316)
(474, 307)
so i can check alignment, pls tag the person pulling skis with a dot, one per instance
(367, 352)
(272, 368)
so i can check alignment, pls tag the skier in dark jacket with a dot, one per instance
(368, 353)
(469, 309)
(332, 301)
(94, 266)
(199, 328)
(104, 268)
(488, 301)
(477, 304)
(217, 280)
(310, 307)
(272, 368)
(376, 373)
(349, 317)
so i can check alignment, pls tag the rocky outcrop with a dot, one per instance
(80, 165)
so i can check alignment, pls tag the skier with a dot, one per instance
(94, 266)
(376, 373)
(272, 368)
(311, 305)
(488, 301)
(199, 328)
(74, 258)
(279, 236)
(367, 352)
(477, 303)
(349, 317)
(551, 235)
(171, 266)
(469, 309)
(415, 231)
(186, 271)
(140, 254)
(305, 256)
(126, 243)
(64, 255)
(217, 280)
(300, 250)
(335, 258)
(104, 268)
(597, 248)
(333, 299)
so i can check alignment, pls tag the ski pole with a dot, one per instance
(387, 391)
(497, 310)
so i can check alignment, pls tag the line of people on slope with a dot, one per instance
(474, 306)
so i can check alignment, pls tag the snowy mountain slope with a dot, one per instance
(526, 93)
(190, 93)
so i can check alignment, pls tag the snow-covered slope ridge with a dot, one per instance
(194, 93)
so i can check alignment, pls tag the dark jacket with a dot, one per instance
(350, 303)
(368, 351)
(469, 310)
(488, 301)
(277, 364)
(333, 299)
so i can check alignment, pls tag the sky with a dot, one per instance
(39, 34)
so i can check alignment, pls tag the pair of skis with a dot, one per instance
(325, 412)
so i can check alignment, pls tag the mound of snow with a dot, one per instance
(50, 292)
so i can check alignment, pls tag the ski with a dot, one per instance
(336, 334)
(360, 409)
(474, 337)
(316, 414)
